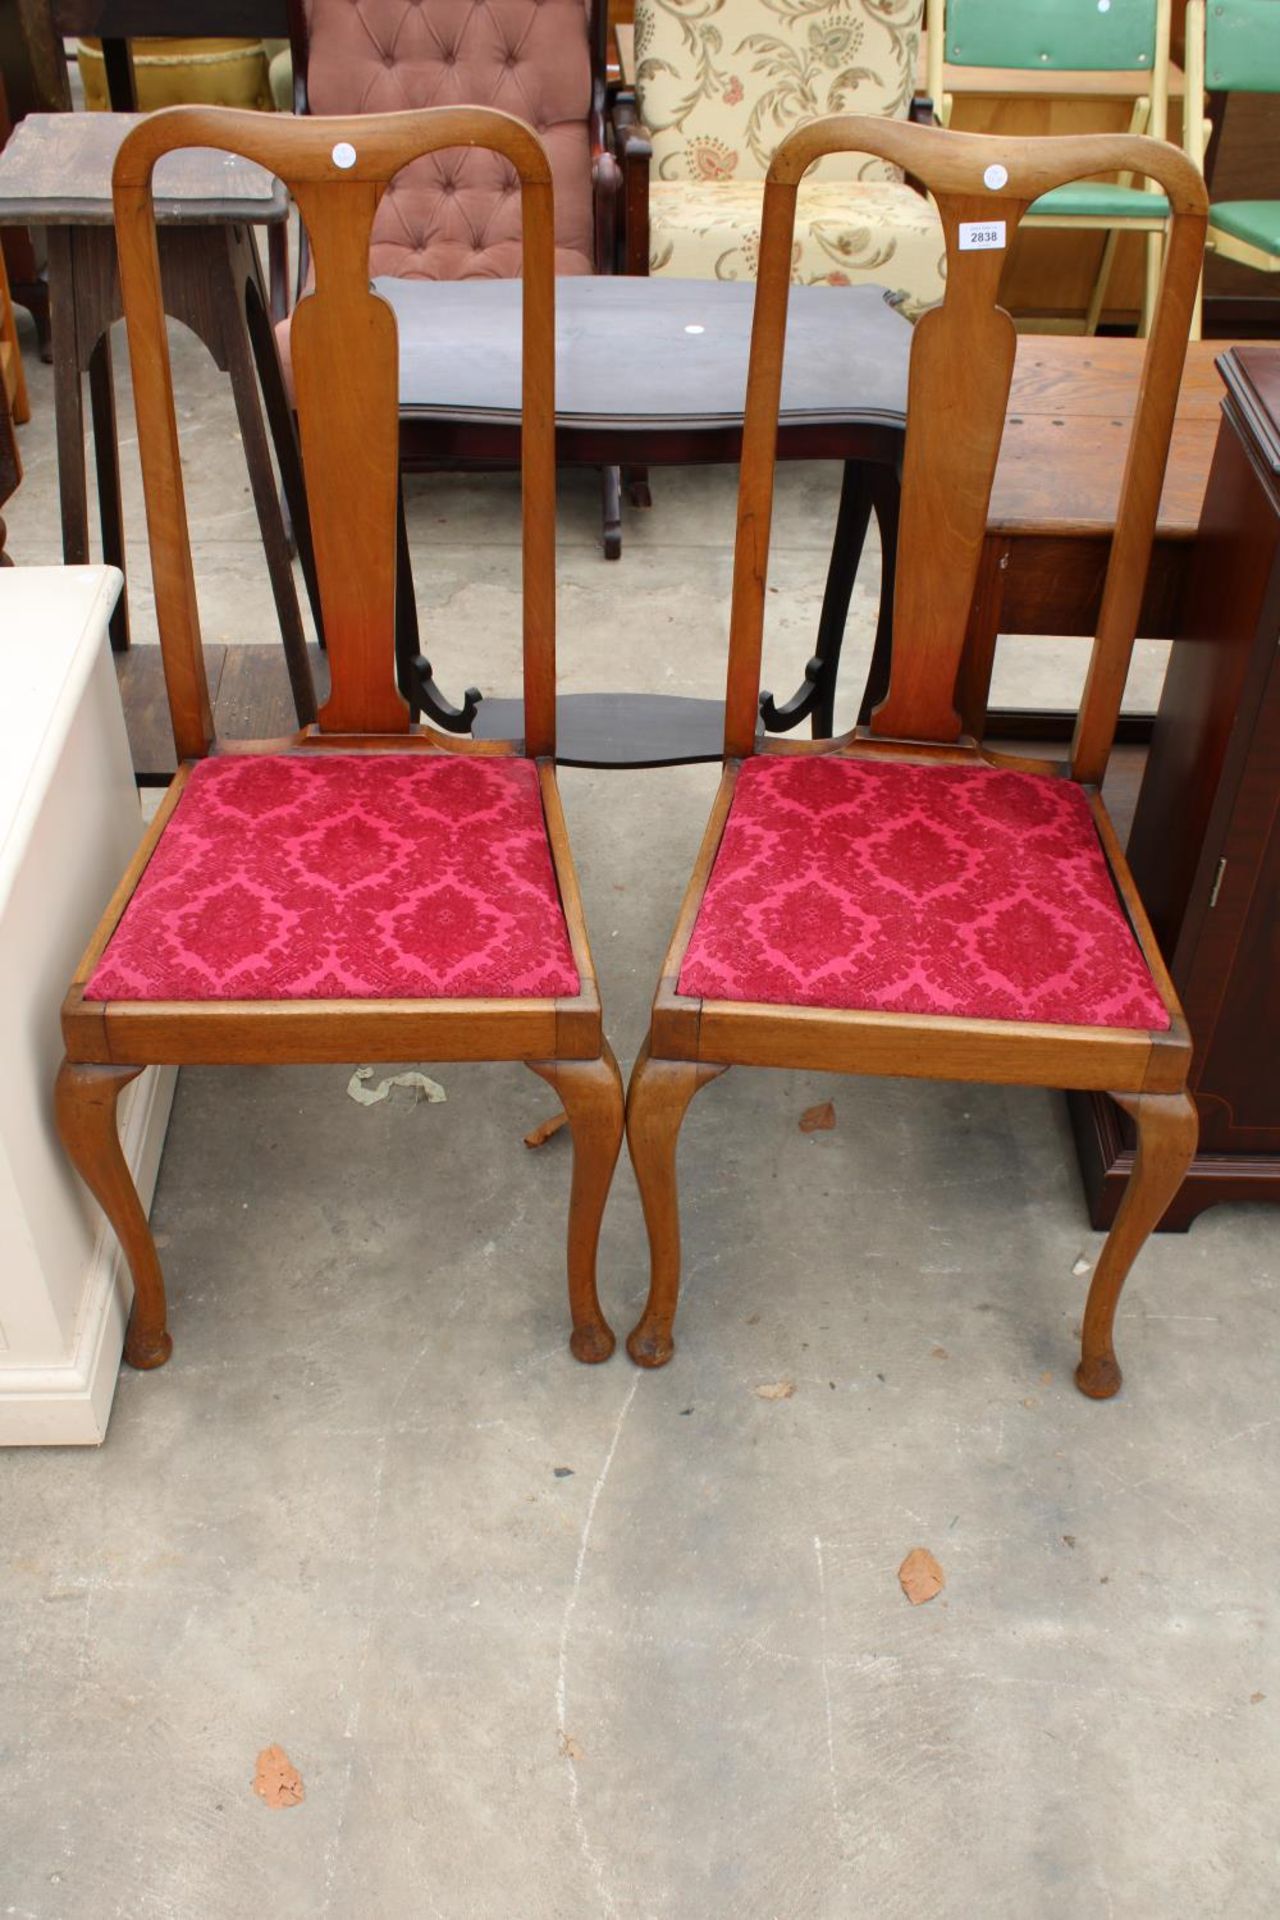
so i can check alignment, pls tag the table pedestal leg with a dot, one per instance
(865, 487)
(611, 511)
(886, 497)
(413, 669)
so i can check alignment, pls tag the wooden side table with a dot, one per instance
(1205, 843)
(56, 173)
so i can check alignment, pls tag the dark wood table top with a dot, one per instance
(644, 355)
(1070, 409)
(56, 172)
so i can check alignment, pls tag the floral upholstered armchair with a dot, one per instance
(717, 85)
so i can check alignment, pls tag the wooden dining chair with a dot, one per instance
(902, 901)
(367, 889)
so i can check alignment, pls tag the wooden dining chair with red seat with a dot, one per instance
(902, 901)
(366, 890)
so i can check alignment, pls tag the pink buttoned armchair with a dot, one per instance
(456, 215)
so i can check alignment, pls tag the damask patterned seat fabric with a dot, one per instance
(888, 887)
(346, 877)
(718, 89)
(456, 215)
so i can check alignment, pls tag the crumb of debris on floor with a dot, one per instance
(545, 1130)
(421, 1087)
(1082, 1265)
(819, 1119)
(776, 1390)
(277, 1780)
(920, 1576)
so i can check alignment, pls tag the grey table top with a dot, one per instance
(56, 172)
(647, 352)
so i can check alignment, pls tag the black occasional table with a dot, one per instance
(55, 173)
(652, 372)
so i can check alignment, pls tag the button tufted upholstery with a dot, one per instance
(456, 215)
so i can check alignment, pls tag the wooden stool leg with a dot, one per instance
(275, 541)
(1168, 1128)
(85, 1109)
(68, 401)
(592, 1094)
(657, 1101)
(106, 461)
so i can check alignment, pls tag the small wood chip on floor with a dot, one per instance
(776, 1390)
(277, 1780)
(818, 1119)
(538, 1136)
(920, 1576)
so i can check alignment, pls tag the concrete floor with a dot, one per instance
(551, 1641)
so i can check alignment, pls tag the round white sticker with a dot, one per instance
(344, 154)
(996, 176)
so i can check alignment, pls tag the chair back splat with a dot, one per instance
(337, 170)
(961, 367)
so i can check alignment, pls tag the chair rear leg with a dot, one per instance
(591, 1091)
(85, 1109)
(1168, 1129)
(657, 1101)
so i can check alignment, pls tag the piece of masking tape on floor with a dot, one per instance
(367, 1096)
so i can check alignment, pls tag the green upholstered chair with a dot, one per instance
(1234, 47)
(1073, 36)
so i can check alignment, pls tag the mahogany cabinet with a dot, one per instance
(1205, 843)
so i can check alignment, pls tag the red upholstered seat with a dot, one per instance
(884, 886)
(337, 876)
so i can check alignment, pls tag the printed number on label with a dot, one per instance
(976, 235)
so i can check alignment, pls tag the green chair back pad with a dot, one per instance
(1242, 46)
(1082, 36)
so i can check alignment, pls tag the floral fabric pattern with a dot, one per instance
(720, 82)
(847, 233)
(882, 886)
(337, 876)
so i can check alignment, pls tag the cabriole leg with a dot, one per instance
(591, 1091)
(85, 1109)
(1168, 1128)
(657, 1100)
